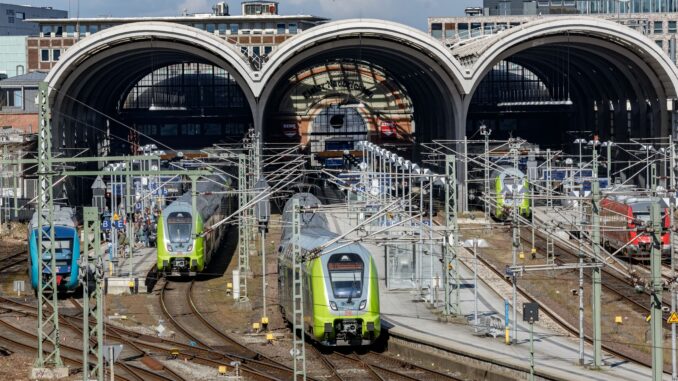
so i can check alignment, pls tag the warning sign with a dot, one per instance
(673, 319)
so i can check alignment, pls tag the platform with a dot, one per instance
(556, 355)
(129, 275)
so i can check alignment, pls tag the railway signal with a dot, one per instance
(531, 315)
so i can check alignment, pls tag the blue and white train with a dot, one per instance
(67, 249)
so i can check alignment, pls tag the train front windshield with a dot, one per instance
(179, 227)
(62, 247)
(346, 275)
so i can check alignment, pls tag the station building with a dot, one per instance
(189, 82)
(14, 29)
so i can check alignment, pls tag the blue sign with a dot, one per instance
(164, 191)
(427, 222)
(119, 224)
(106, 224)
(138, 206)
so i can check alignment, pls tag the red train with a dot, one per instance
(622, 223)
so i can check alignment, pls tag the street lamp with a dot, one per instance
(475, 243)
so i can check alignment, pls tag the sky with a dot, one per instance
(410, 12)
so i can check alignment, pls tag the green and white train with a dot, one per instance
(340, 286)
(183, 246)
(511, 187)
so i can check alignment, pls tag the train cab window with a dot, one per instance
(61, 246)
(179, 227)
(346, 275)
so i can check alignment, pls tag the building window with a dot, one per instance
(199, 26)
(210, 28)
(93, 29)
(244, 50)
(293, 28)
(168, 130)
(281, 28)
(658, 27)
(58, 30)
(437, 30)
(20, 15)
(222, 28)
(56, 54)
(46, 30)
(659, 43)
(212, 129)
(70, 30)
(147, 129)
(190, 129)
(44, 55)
(10, 20)
(20, 69)
(15, 98)
(672, 27)
(83, 30)
(268, 50)
(234, 28)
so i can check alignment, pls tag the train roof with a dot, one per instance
(206, 202)
(315, 230)
(63, 216)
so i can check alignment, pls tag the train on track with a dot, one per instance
(340, 287)
(621, 218)
(67, 249)
(185, 242)
(510, 188)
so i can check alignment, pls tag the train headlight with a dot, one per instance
(190, 247)
(362, 305)
(333, 306)
(169, 248)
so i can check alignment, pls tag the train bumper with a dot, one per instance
(178, 266)
(643, 250)
(349, 331)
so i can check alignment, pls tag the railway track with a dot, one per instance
(567, 325)
(9, 261)
(374, 366)
(612, 280)
(180, 310)
(143, 345)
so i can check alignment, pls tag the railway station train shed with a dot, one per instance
(186, 84)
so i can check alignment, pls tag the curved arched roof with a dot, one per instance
(134, 41)
(450, 73)
(479, 55)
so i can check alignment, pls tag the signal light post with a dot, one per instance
(263, 211)
(656, 287)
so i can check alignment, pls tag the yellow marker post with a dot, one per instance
(269, 337)
(264, 320)
(521, 255)
(255, 326)
(223, 369)
(648, 318)
(508, 336)
(618, 320)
